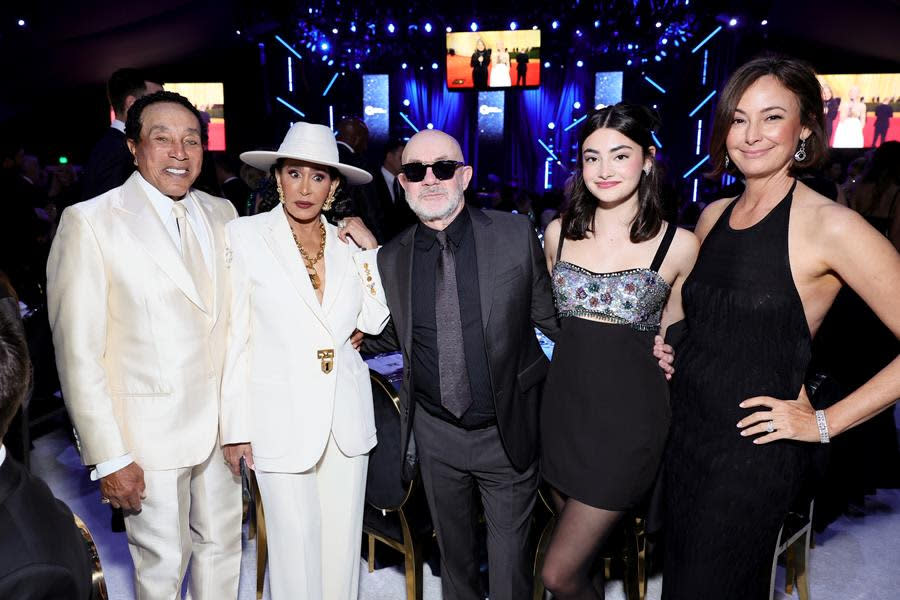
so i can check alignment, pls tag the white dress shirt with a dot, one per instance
(117, 124)
(163, 207)
(2, 454)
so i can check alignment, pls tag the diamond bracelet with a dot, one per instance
(823, 427)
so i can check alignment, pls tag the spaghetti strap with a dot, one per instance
(663, 247)
(562, 238)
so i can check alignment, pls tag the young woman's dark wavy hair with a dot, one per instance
(637, 123)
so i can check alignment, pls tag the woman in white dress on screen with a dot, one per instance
(849, 132)
(500, 69)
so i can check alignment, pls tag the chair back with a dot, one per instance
(385, 488)
(98, 583)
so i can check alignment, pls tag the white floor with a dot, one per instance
(854, 559)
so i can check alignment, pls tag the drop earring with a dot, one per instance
(727, 160)
(800, 154)
(326, 206)
(280, 191)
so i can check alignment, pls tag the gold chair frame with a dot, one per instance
(98, 583)
(796, 557)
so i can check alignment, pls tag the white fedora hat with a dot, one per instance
(309, 142)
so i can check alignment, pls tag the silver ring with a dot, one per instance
(341, 224)
(770, 426)
(104, 500)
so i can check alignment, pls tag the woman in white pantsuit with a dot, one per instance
(296, 398)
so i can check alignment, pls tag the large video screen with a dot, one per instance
(209, 98)
(485, 60)
(861, 110)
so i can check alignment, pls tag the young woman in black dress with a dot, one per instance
(616, 269)
(770, 265)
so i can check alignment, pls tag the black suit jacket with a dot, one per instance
(42, 554)
(108, 166)
(396, 215)
(515, 297)
(363, 201)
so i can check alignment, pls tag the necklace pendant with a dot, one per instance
(314, 278)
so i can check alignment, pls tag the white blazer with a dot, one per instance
(275, 393)
(139, 356)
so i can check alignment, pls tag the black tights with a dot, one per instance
(579, 533)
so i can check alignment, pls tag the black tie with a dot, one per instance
(455, 393)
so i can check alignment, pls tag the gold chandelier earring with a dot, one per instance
(280, 191)
(326, 206)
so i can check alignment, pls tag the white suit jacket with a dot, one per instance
(139, 356)
(275, 394)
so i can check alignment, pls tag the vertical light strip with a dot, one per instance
(290, 73)
(705, 59)
(547, 174)
(694, 198)
(331, 116)
(699, 132)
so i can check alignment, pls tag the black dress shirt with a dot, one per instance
(426, 383)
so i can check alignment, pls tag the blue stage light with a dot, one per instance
(576, 105)
(547, 65)
(427, 27)
(410, 123)
(334, 30)
(286, 45)
(353, 27)
(653, 83)
(403, 65)
(324, 46)
(473, 26)
(702, 102)
(732, 22)
(290, 106)
(237, 32)
(657, 58)
(513, 25)
(434, 66)
(21, 22)
(330, 62)
(578, 32)
(658, 24)
(356, 66)
(579, 63)
(662, 53)
(764, 22)
(449, 29)
(430, 126)
(406, 102)
(575, 122)
(695, 167)
(630, 46)
(391, 28)
(551, 125)
(664, 41)
(555, 24)
(628, 62)
(706, 39)
(596, 24)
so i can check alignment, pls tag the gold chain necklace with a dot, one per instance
(311, 263)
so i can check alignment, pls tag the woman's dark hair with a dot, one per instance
(133, 120)
(800, 79)
(637, 123)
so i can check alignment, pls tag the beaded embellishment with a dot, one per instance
(634, 297)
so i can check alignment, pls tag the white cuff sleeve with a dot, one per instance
(110, 466)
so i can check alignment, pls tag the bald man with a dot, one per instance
(466, 289)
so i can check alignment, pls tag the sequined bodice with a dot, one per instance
(634, 297)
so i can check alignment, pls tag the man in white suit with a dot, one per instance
(137, 303)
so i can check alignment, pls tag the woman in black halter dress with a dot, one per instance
(770, 265)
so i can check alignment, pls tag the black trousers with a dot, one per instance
(455, 464)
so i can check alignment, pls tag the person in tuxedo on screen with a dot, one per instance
(466, 288)
(110, 163)
(521, 66)
(137, 300)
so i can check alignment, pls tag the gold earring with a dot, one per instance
(280, 191)
(326, 206)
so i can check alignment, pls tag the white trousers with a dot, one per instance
(190, 514)
(314, 527)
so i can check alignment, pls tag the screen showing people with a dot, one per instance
(861, 110)
(209, 98)
(485, 60)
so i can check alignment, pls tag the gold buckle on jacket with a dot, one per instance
(326, 355)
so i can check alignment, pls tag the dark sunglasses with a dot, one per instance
(442, 169)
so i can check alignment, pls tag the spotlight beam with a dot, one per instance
(702, 102)
(330, 83)
(288, 46)
(405, 118)
(290, 106)
(575, 122)
(695, 167)
(549, 151)
(654, 84)
(707, 38)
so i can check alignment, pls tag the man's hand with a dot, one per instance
(233, 454)
(665, 354)
(356, 339)
(124, 488)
